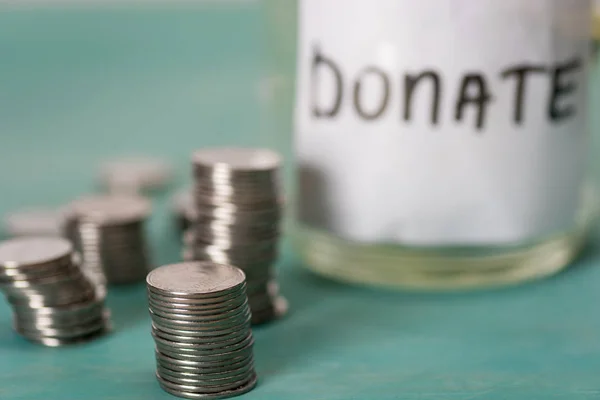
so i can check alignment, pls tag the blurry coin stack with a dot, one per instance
(52, 301)
(236, 220)
(201, 329)
(108, 232)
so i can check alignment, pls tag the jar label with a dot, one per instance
(442, 122)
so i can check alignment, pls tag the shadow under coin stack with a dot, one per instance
(108, 231)
(201, 328)
(237, 216)
(53, 302)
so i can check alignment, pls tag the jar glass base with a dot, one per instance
(435, 269)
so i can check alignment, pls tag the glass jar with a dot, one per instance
(596, 29)
(438, 144)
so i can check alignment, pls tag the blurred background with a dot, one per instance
(83, 80)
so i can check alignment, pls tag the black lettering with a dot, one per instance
(560, 89)
(318, 61)
(358, 89)
(480, 99)
(520, 73)
(410, 84)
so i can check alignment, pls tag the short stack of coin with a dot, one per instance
(238, 208)
(109, 233)
(201, 328)
(53, 302)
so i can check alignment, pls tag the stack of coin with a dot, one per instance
(109, 233)
(53, 302)
(201, 329)
(236, 221)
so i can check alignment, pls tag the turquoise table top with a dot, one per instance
(78, 86)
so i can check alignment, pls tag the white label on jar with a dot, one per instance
(441, 122)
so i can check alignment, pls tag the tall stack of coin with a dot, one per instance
(201, 328)
(109, 233)
(53, 302)
(237, 218)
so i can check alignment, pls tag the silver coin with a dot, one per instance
(208, 365)
(204, 199)
(212, 345)
(234, 237)
(94, 308)
(208, 309)
(205, 353)
(232, 215)
(201, 333)
(67, 333)
(241, 185)
(196, 279)
(208, 302)
(208, 357)
(222, 395)
(202, 358)
(57, 321)
(200, 325)
(110, 209)
(42, 300)
(200, 373)
(247, 203)
(207, 344)
(61, 264)
(229, 244)
(251, 265)
(31, 251)
(135, 174)
(231, 337)
(59, 342)
(207, 389)
(70, 277)
(15, 276)
(256, 267)
(223, 371)
(237, 159)
(70, 310)
(184, 315)
(214, 179)
(202, 368)
(59, 295)
(201, 380)
(201, 301)
(255, 251)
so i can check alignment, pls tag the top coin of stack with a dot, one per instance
(236, 221)
(109, 233)
(133, 175)
(53, 302)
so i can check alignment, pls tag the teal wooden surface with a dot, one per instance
(79, 86)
